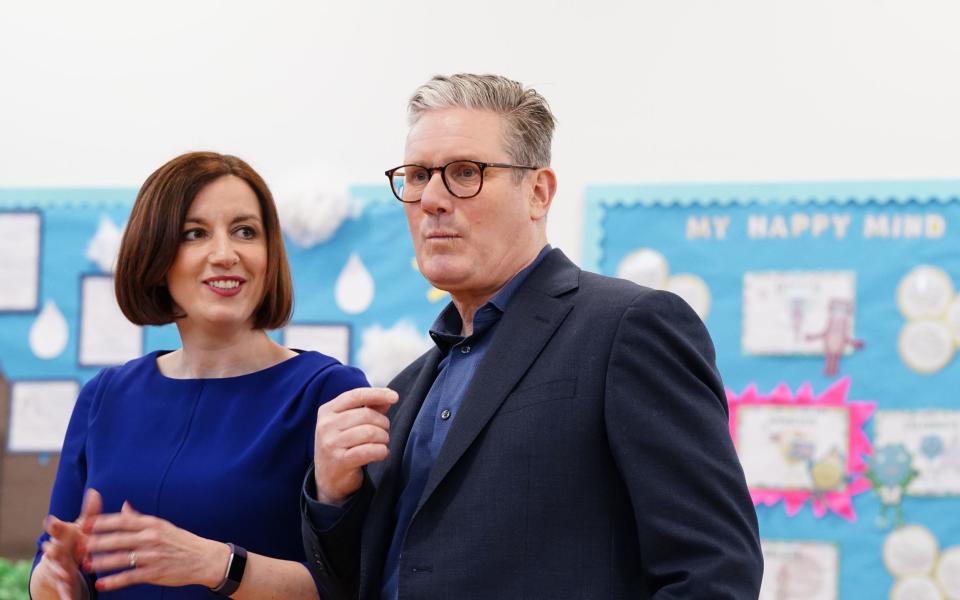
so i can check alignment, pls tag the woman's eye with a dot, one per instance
(193, 234)
(246, 232)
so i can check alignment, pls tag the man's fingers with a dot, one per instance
(364, 454)
(379, 399)
(361, 434)
(351, 418)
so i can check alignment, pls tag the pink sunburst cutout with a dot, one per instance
(838, 499)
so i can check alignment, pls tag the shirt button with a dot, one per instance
(464, 349)
(445, 414)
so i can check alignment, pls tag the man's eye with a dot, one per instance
(418, 176)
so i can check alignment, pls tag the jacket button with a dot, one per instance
(445, 414)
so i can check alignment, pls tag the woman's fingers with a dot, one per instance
(126, 578)
(92, 506)
(118, 541)
(115, 561)
(122, 521)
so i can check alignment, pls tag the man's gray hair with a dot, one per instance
(528, 121)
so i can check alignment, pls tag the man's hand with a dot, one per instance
(352, 431)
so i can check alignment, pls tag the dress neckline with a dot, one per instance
(284, 364)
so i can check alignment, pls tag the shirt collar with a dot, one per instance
(445, 330)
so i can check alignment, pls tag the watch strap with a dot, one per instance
(235, 567)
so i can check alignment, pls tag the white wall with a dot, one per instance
(101, 93)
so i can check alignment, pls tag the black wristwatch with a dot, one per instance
(235, 567)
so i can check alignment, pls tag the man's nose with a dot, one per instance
(436, 198)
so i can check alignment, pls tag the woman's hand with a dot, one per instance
(57, 573)
(151, 550)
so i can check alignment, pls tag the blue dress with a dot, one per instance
(221, 458)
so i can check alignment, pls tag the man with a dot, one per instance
(567, 436)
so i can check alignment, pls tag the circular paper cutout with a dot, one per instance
(645, 267)
(948, 572)
(924, 292)
(953, 319)
(926, 346)
(915, 588)
(910, 550)
(693, 290)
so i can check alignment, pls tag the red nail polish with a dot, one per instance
(100, 587)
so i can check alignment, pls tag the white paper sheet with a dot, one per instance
(106, 336)
(39, 414)
(932, 437)
(781, 447)
(19, 260)
(799, 570)
(797, 312)
(330, 339)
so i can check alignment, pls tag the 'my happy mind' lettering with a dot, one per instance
(814, 225)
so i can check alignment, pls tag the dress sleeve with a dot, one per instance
(666, 418)
(68, 487)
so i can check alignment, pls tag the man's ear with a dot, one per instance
(542, 190)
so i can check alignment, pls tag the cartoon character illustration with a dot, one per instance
(837, 335)
(890, 472)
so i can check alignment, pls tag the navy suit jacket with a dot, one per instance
(591, 458)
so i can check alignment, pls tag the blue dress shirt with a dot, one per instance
(462, 355)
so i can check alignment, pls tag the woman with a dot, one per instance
(190, 456)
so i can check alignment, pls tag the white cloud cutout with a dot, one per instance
(384, 352)
(104, 246)
(312, 211)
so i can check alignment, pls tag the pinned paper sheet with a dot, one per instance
(800, 448)
(39, 414)
(330, 339)
(932, 440)
(20, 263)
(799, 312)
(807, 570)
(106, 336)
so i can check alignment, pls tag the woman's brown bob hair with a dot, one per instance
(155, 229)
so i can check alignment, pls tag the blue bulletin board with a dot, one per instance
(358, 297)
(835, 311)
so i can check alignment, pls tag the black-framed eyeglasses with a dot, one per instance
(462, 178)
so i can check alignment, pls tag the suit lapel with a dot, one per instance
(529, 322)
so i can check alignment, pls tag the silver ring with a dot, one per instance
(132, 559)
